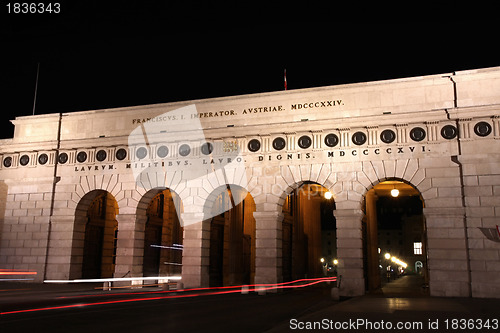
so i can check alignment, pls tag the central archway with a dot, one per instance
(394, 238)
(308, 233)
(163, 236)
(232, 237)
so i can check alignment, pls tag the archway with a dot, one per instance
(394, 237)
(163, 236)
(96, 243)
(232, 237)
(308, 233)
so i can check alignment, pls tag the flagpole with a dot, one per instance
(36, 87)
(285, 80)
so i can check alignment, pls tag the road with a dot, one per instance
(208, 313)
(81, 309)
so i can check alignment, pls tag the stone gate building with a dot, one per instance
(231, 190)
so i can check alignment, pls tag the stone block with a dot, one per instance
(446, 182)
(484, 254)
(489, 180)
(446, 254)
(478, 190)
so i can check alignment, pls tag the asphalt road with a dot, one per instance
(211, 313)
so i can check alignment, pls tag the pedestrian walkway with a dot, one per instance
(404, 286)
(402, 305)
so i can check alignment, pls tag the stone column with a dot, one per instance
(373, 273)
(350, 251)
(196, 253)
(64, 260)
(448, 264)
(268, 247)
(130, 245)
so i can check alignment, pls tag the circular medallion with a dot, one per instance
(184, 150)
(141, 152)
(121, 154)
(62, 158)
(449, 132)
(81, 157)
(305, 142)
(24, 160)
(101, 155)
(162, 151)
(359, 138)
(43, 158)
(417, 134)
(387, 136)
(207, 148)
(482, 129)
(279, 143)
(331, 140)
(7, 162)
(254, 145)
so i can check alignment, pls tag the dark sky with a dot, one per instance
(93, 57)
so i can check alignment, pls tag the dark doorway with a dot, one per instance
(99, 245)
(92, 251)
(232, 238)
(216, 251)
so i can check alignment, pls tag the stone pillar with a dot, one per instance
(350, 251)
(447, 252)
(373, 273)
(196, 253)
(268, 247)
(130, 245)
(64, 260)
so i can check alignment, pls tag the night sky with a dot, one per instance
(93, 57)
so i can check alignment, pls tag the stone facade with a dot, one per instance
(439, 133)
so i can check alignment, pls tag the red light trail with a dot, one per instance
(220, 291)
(12, 272)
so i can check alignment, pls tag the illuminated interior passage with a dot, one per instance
(163, 236)
(232, 238)
(100, 237)
(308, 233)
(394, 236)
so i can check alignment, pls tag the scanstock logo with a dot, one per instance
(176, 155)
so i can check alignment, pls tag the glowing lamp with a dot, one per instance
(335, 262)
(387, 256)
(328, 195)
(395, 192)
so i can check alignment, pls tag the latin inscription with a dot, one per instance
(261, 110)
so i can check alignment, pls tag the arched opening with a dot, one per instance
(309, 233)
(394, 239)
(232, 238)
(163, 236)
(97, 212)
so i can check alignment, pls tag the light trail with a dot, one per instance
(14, 272)
(225, 290)
(270, 285)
